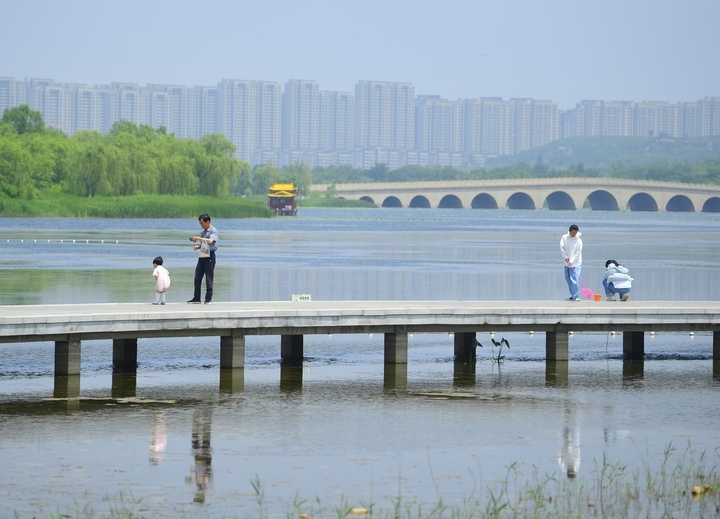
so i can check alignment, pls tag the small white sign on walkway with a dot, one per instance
(301, 297)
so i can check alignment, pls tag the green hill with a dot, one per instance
(615, 152)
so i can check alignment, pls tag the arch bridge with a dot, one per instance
(570, 194)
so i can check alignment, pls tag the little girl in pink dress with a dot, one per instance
(162, 281)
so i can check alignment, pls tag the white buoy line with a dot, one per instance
(62, 241)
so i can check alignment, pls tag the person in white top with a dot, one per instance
(162, 280)
(617, 280)
(571, 251)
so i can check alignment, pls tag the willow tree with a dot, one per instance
(215, 165)
(94, 161)
(176, 166)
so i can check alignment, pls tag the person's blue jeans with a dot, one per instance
(572, 276)
(610, 289)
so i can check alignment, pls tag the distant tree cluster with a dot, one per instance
(130, 160)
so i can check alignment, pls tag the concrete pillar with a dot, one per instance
(125, 355)
(556, 344)
(67, 357)
(634, 345)
(396, 347)
(291, 348)
(232, 350)
(465, 349)
(716, 345)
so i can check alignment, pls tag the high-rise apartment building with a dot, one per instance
(439, 124)
(301, 115)
(384, 115)
(337, 121)
(249, 115)
(489, 127)
(202, 112)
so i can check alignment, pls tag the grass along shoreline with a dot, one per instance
(137, 206)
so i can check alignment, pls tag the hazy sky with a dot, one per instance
(562, 50)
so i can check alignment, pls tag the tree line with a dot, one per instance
(138, 159)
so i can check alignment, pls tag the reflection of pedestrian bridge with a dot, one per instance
(598, 194)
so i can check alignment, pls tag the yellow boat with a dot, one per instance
(282, 199)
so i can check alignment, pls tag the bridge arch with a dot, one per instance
(711, 205)
(680, 203)
(366, 199)
(484, 201)
(560, 201)
(392, 201)
(520, 200)
(450, 202)
(602, 200)
(642, 202)
(420, 202)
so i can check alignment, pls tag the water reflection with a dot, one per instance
(291, 377)
(158, 441)
(232, 380)
(66, 386)
(201, 474)
(464, 374)
(124, 384)
(569, 457)
(633, 372)
(556, 373)
(395, 377)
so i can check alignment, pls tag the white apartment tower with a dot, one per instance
(249, 115)
(384, 115)
(337, 121)
(301, 115)
(439, 124)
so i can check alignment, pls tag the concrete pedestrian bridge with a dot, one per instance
(124, 323)
(568, 194)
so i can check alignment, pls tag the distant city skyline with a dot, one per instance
(559, 50)
(381, 122)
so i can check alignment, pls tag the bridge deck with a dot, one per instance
(124, 323)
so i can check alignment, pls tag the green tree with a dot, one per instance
(215, 165)
(263, 177)
(300, 175)
(23, 119)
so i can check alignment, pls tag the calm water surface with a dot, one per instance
(342, 429)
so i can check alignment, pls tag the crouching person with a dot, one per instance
(617, 280)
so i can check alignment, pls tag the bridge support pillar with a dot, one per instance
(291, 348)
(556, 344)
(396, 347)
(716, 345)
(67, 357)
(232, 350)
(125, 355)
(465, 347)
(556, 373)
(633, 345)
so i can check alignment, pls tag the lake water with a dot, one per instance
(342, 430)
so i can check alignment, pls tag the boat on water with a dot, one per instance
(282, 199)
